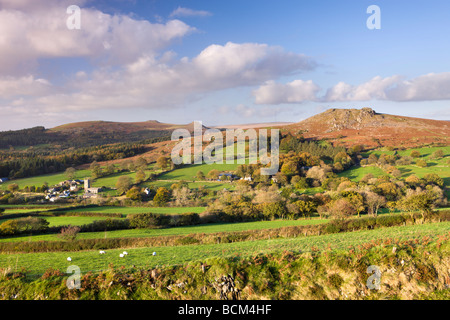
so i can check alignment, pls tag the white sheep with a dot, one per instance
(69, 259)
(125, 253)
(121, 255)
(102, 252)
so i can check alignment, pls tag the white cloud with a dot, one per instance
(150, 82)
(35, 32)
(251, 112)
(186, 12)
(423, 88)
(165, 82)
(296, 91)
(433, 86)
(11, 87)
(374, 89)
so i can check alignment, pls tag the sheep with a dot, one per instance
(102, 252)
(69, 259)
(121, 255)
(125, 253)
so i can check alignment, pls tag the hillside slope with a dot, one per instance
(365, 126)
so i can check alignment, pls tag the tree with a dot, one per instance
(289, 168)
(274, 210)
(123, 184)
(213, 174)
(374, 202)
(96, 170)
(356, 199)
(412, 180)
(372, 159)
(162, 162)
(70, 173)
(141, 163)
(389, 190)
(110, 169)
(200, 176)
(415, 154)
(421, 163)
(140, 176)
(69, 233)
(438, 154)
(134, 194)
(13, 187)
(306, 207)
(367, 177)
(341, 209)
(162, 197)
(434, 179)
(145, 220)
(418, 200)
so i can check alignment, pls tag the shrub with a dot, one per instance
(335, 280)
(106, 225)
(147, 220)
(69, 233)
(274, 210)
(189, 219)
(421, 163)
(415, 154)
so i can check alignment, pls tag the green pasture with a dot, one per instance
(37, 263)
(206, 228)
(135, 210)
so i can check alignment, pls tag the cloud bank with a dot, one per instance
(433, 86)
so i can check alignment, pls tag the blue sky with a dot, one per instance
(220, 62)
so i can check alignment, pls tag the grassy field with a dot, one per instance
(37, 263)
(207, 228)
(213, 186)
(437, 166)
(189, 173)
(17, 211)
(135, 210)
(425, 152)
(51, 179)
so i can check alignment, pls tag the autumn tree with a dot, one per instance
(213, 174)
(415, 154)
(123, 184)
(96, 170)
(13, 187)
(438, 154)
(162, 162)
(342, 209)
(200, 176)
(70, 173)
(134, 194)
(162, 197)
(374, 202)
(140, 176)
(141, 163)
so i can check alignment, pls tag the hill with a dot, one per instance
(91, 133)
(366, 127)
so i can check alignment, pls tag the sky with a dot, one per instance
(220, 62)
